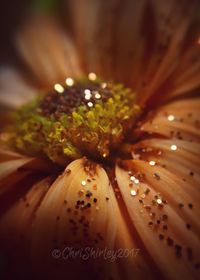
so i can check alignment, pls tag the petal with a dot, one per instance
(149, 45)
(185, 123)
(6, 154)
(14, 90)
(52, 59)
(14, 168)
(93, 34)
(75, 213)
(177, 156)
(172, 55)
(24, 208)
(149, 217)
(136, 262)
(16, 225)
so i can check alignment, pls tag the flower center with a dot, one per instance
(87, 116)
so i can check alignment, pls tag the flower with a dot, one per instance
(121, 213)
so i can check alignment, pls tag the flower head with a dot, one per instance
(86, 118)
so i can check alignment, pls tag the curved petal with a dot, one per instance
(15, 167)
(74, 215)
(153, 206)
(136, 262)
(178, 156)
(16, 226)
(24, 208)
(14, 89)
(179, 119)
(52, 59)
(6, 155)
(140, 43)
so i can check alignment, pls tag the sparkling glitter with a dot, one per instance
(132, 178)
(155, 175)
(170, 118)
(83, 183)
(97, 95)
(152, 163)
(69, 82)
(159, 201)
(81, 192)
(133, 192)
(92, 76)
(103, 85)
(88, 94)
(190, 205)
(59, 88)
(161, 236)
(90, 104)
(173, 147)
(136, 181)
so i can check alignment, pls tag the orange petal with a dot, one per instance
(6, 155)
(136, 262)
(13, 171)
(52, 59)
(75, 213)
(177, 156)
(15, 90)
(185, 124)
(153, 206)
(24, 208)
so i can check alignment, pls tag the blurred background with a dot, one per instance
(12, 15)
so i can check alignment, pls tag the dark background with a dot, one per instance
(11, 14)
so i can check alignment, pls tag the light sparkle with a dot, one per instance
(69, 82)
(92, 76)
(83, 183)
(133, 192)
(90, 104)
(171, 118)
(59, 88)
(173, 147)
(152, 162)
